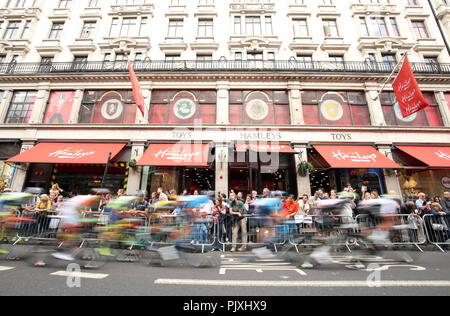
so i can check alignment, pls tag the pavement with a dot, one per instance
(237, 274)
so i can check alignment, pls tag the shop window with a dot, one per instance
(59, 107)
(335, 108)
(183, 107)
(429, 116)
(108, 107)
(259, 107)
(20, 108)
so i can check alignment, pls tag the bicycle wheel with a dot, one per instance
(89, 258)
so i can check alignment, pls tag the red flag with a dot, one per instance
(407, 91)
(137, 92)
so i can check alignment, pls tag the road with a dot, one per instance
(238, 274)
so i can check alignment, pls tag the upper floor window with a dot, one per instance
(175, 28)
(330, 28)
(300, 27)
(108, 107)
(420, 29)
(183, 107)
(20, 108)
(335, 108)
(430, 116)
(21, 3)
(56, 30)
(130, 27)
(263, 107)
(64, 3)
(205, 28)
(254, 25)
(88, 29)
(59, 107)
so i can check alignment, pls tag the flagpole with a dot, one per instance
(390, 76)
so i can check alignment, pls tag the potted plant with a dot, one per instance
(132, 163)
(304, 167)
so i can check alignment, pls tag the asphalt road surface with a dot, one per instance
(237, 274)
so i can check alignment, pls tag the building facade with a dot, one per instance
(221, 74)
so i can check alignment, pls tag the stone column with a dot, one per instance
(20, 174)
(76, 106)
(295, 103)
(222, 159)
(134, 174)
(4, 105)
(223, 104)
(303, 183)
(443, 107)
(390, 178)
(375, 110)
(40, 104)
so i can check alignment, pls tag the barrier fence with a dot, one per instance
(205, 233)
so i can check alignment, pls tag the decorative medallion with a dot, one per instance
(184, 109)
(257, 109)
(331, 110)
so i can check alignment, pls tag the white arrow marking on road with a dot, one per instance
(80, 274)
(241, 283)
(6, 268)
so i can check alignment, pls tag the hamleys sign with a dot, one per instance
(354, 156)
(443, 155)
(70, 153)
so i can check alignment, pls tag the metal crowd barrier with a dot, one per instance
(407, 229)
(305, 229)
(437, 230)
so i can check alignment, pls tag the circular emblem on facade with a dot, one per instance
(331, 110)
(184, 109)
(257, 110)
(399, 115)
(446, 182)
(112, 109)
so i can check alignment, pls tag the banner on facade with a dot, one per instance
(407, 91)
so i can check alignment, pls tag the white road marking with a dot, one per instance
(328, 284)
(80, 274)
(2, 268)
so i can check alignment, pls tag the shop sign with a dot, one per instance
(257, 110)
(171, 154)
(443, 155)
(184, 109)
(331, 110)
(446, 182)
(354, 156)
(69, 153)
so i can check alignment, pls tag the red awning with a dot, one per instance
(432, 156)
(192, 155)
(69, 153)
(265, 148)
(353, 156)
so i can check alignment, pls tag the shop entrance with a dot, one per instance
(270, 175)
(180, 179)
(79, 179)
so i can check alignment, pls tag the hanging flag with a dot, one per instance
(137, 92)
(407, 91)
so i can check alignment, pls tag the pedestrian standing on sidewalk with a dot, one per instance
(240, 222)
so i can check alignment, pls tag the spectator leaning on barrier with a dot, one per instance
(313, 200)
(240, 222)
(290, 207)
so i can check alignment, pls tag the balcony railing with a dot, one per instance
(149, 66)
